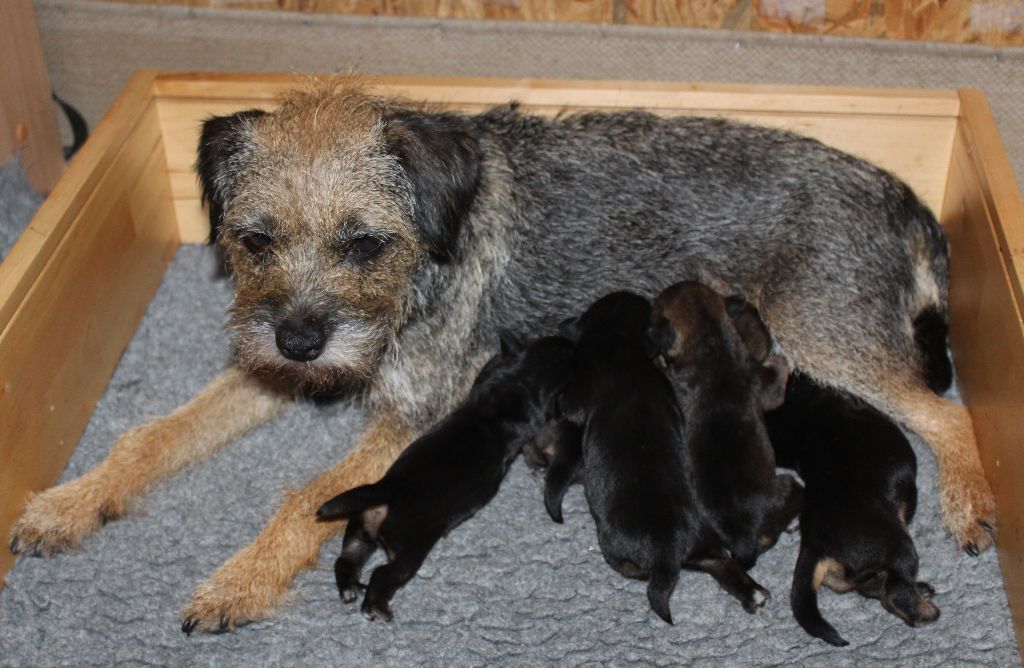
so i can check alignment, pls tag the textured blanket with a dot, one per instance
(507, 587)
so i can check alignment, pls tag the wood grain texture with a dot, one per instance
(28, 122)
(77, 307)
(987, 340)
(992, 22)
(907, 132)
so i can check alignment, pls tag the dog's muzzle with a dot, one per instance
(301, 341)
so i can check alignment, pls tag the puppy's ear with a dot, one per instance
(510, 343)
(774, 376)
(661, 336)
(441, 158)
(751, 328)
(570, 329)
(222, 139)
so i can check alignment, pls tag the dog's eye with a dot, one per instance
(257, 243)
(366, 247)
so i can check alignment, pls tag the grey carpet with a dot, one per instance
(17, 204)
(509, 586)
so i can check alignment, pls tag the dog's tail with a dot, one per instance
(564, 469)
(662, 582)
(929, 305)
(354, 501)
(931, 333)
(803, 599)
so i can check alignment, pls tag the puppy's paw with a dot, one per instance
(351, 593)
(757, 597)
(377, 611)
(925, 590)
(969, 511)
(59, 518)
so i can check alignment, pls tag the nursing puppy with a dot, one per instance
(625, 438)
(861, 494)
(725, 382)
(449, 473)
(378, 246)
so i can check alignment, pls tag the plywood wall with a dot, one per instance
(993, 22)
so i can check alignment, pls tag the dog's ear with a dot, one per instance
(774, 376)
(441, 158)
(661, 336)
(510, 343)
(751, 328)
(221, 140)
(570, 329)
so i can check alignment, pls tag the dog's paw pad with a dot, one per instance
(758, 598)
(350, 594)
(377, 612)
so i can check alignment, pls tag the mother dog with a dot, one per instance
(379, 245)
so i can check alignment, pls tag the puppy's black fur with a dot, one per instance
(861, 494)
(624, 432)
(716, 353)
(449, 473)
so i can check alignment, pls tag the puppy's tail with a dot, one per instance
(354, 501)
(564, 469)
(931, 333)
(803, 599)
(662, 582)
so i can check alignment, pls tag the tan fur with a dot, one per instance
(60, 517)
(832, 574)
(256, 579)
(964, 492)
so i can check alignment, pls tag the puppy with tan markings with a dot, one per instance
(378, 246)
(861, 494)
(445, 476)
(724, 391)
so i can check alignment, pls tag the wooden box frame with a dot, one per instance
(76, 283)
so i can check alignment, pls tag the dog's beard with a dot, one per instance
(350, 356)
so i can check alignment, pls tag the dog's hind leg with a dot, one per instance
(968, 507)
(356, 549)
(788, 496)
(731, 577)
(887, 375)
(58, 518)
(255, 579)
(565, 467)
(389, 578)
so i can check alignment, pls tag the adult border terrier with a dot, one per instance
(379, 244)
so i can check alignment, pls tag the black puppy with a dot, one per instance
(861, 493)
(716, 353)
(624, 432)
(449, 473)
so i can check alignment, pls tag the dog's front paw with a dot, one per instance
(59, 518)
(350, 593)
(232, 597)
(969, 511)
(757, 597)
(377, 611)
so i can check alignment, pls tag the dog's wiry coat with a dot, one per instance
(417, 233)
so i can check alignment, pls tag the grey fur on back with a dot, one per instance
(837, 254)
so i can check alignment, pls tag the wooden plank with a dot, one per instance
(28, 122)
(987, 340)
(996, 182)
(558, 93)
(112, 136)
(914, 147)
(64, 339)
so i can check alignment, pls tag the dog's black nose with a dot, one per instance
(301, 341)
